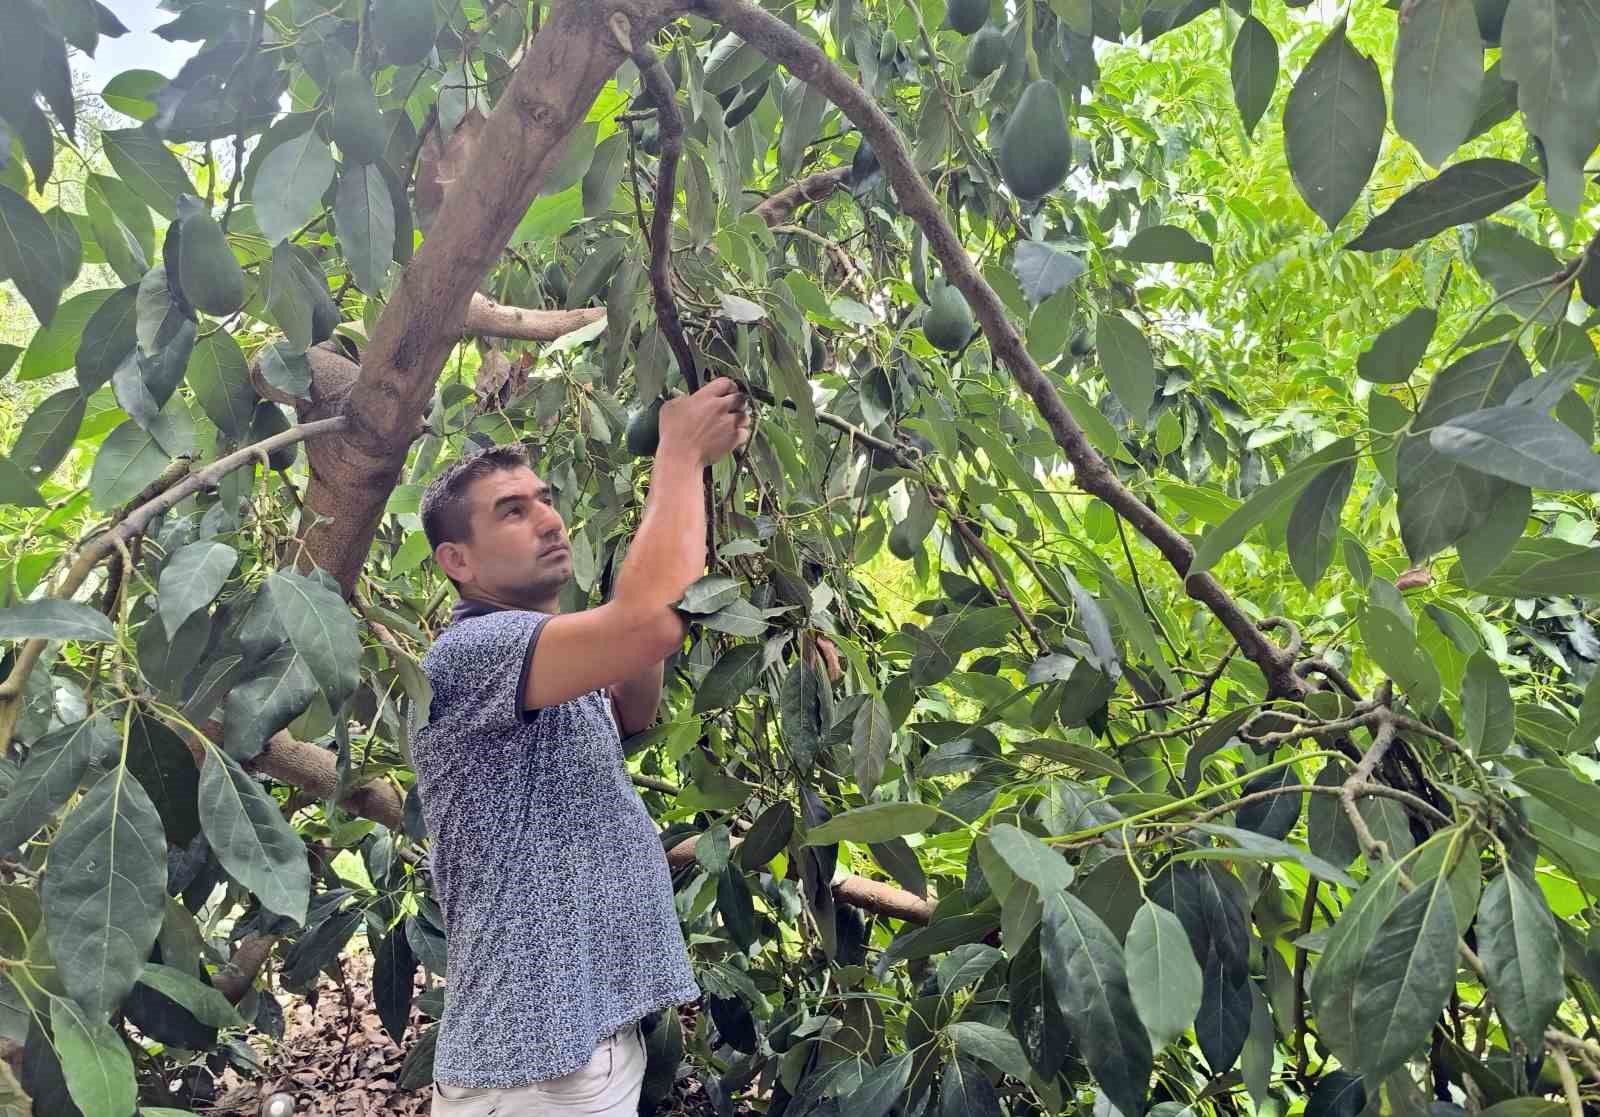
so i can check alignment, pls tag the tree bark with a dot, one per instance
(572, 56)
(487, 318)
(813, 188)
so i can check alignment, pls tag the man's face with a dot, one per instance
(518, 552)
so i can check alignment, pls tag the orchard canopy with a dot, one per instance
(1148, 659)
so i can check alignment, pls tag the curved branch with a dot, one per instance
(813, 188)
(782, 43)
(669, 123)
(132, 525)
(487, 318)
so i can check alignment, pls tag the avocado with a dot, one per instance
(404, 29)
(987, 52)
(208, 274)
(644, 430)
(819, 353)
(1080, 345)
(269, 420)
(555, 282)
(948, 322)
(887, 46)
(966, 16)
(357, 124)
(1035, 151)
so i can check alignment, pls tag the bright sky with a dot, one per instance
(139, 49)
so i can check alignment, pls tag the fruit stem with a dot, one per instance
(1027, 33)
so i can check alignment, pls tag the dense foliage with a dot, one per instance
(1220, 738)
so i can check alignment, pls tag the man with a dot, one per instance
(560, 927)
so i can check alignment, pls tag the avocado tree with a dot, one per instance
(1148, 660)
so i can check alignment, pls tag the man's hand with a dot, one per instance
(709, 425)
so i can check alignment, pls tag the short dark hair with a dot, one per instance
(446, 517)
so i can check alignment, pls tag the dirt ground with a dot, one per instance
(336, 1059)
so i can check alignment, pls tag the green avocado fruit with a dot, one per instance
(357, 124)
(966, 16)
(555, 282)
(644, 430)
(948, 322)
(208, 273)
(987, 52)
(269, 420)
(1035, 151)
(887, 46)
(404, 29)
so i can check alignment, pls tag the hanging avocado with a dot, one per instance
(1035, 150)
(887, 47)
(644, 430)
(987, 52)
(357, 124)
(269, 420)
(208, 274)
(966, 16)
(948, 323)
(555, 282)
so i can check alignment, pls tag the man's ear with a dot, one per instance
(452, 559)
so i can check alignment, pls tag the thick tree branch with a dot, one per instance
(549, 94)
(806, 60)
(487, 318)
(813, 188)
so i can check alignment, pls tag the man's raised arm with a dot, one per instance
(638, 628)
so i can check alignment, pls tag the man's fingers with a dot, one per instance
(721, 386)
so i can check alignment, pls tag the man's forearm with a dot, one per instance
(637, 700)
(669, 550)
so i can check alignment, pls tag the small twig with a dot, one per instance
(1302, 1048)
(1320, 666)
(1138, 584)
(1569, 1082)
(1381, 741)
(978, 547)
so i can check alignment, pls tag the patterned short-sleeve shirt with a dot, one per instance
(558, 904)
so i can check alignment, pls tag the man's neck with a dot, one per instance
(476, 603)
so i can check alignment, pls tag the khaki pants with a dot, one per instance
(606, 1086)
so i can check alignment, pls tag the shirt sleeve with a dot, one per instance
(502, 648)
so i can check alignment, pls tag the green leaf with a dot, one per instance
(709, 594)
(729, 678)
(132, 92)
(965, 1091)
(1163, 977)
(320, 628)
(881, 1087)
(873, 734)
(204, 1002)
(1314, 521)
(876, 822)
(143, 163)
(1030, 859)
(1438, 74)
(995, 1046)
(1548, 51)
(1509, 261)
(1328, 829)
(94, 1061)
(103, 892)
(1403, 981)
(1085, 967)
(268, 697)
(52, 347)
(1487, 714)
(47, 435)
(1463, 193)
(1247, 845)
(191, 579)
(363, 214)
(394, 969)
(1484, 549)
(285, 369)
(251, 838)
(1126, 361)
(1333, 126)
(53, 619)
(1161, 244)
(129, 459)
(221, 382)
(56, 765)
(1262, 503)
(1394, 648)
(1576, 800)
(1439, 500)
(1338, 1093)
(1043, 269)
(31, 256)
(1522, 445)
(1521, 954)
(288, 188)
(1253, 66)
(108, 338)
